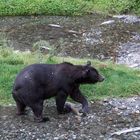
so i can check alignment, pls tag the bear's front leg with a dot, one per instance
(78, 97)
(60, 103)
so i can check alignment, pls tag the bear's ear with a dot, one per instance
(88, 63)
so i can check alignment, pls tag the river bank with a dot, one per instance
(95, 36)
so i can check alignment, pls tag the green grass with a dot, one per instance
(48, 7)
(67, 7)
(118, 6)
(120, 80)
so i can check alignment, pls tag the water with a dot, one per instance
(93, 36)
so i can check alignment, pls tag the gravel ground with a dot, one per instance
(105, 118)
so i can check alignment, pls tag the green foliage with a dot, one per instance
(118, 6)
(49, 7)
(67, 7)
(8, 73)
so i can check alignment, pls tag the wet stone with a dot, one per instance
(128, 18)
(122, 107)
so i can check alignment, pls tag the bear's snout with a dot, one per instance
(101, 78)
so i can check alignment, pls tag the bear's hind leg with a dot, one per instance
(37, 109)
(19, 102)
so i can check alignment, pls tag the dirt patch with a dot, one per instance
(105, 118)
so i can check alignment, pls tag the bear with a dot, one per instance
(38, 82)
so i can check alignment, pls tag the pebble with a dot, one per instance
(55, 25)
(78, 118)
(107, 22)
(56, 138)
(74, 137)
(123, 107)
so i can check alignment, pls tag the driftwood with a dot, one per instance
(126, 131)
(73, 108)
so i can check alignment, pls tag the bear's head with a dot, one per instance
(89, 75)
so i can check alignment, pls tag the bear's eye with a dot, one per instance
(87, 71)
